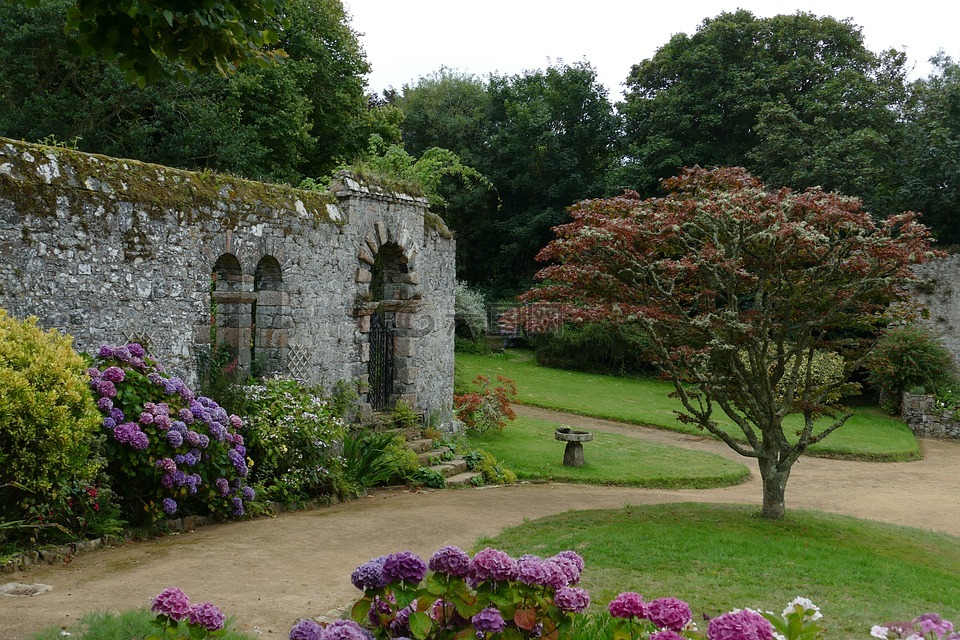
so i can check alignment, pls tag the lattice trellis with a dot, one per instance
(298, 362)
(142, 337)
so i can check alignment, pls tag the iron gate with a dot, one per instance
(380, 366)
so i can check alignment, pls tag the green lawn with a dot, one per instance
(528, 447)
(718, 557)
(870, 434)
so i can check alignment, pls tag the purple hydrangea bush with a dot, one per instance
(452, 595)
(177, 618)
(169, 451)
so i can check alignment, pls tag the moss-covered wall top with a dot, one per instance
(111, 250)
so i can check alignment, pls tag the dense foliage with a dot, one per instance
(797, 99)
(50, 459)
(280, 122)
(739, 289)
(145, 35)
(543, 138)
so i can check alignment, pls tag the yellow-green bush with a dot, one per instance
(47, 417)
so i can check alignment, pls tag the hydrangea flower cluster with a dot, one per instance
(454, 595)
(165, 441)
(338, 630)
(173, 607)
(740, 624)
(929, 626)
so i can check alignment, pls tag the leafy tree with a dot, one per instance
(156, 39)
(446, 109)
(277, 123)
(543, 138)
(740, 290)
(551, 143)
(930, 152)
(797, 99)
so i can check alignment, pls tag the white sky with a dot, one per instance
(407, 39)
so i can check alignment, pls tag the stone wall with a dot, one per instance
(112, 250)
(921, 413)
(939, 291)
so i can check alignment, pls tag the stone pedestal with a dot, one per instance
(573, 452)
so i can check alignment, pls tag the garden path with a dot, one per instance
(270, 571)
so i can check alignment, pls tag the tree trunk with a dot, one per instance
(774, 479)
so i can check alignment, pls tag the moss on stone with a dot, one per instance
(32, 174)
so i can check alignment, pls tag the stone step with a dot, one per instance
(432, 456)
(463, 479)
(451, 468)
(421, 445)
(409, 434)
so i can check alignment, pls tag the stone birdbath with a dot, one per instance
(573, 453)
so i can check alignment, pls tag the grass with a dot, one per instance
(718, 557)
(527, 446)
(118, 626)
(869, 435)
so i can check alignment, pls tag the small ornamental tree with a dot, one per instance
(741, 291)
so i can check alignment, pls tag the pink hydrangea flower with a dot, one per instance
(669, 613)
(207, 615)
(171, 602)
(628, 605)
(744, 624)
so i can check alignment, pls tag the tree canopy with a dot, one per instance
(745, 293)
(543, 138)
(155, 39)
(797, 99)
(280, 122)
(929, 157)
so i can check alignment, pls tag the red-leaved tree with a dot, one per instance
(744, 293)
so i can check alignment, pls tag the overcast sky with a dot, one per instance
(407, 39)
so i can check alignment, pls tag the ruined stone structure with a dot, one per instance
(344, 285)
(927, 420)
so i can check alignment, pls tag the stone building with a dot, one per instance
(350, 285)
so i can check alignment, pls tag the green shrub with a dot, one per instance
(906, 358)
(372, 459)
(430, 478)
(596, 348)
(293, 437)
(49, 453)
(492, 471)
(403, 416)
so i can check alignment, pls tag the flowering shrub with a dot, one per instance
(292, 432)
(168, 450)
(455, 596)
(49, 451)
(487, 408)
(929, 626)
(175, 614)
(491, 595)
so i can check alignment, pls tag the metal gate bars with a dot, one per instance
(380, 366)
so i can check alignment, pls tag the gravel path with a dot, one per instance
(271, 571)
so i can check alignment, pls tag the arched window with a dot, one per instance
(229, 317)
(269, 319)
